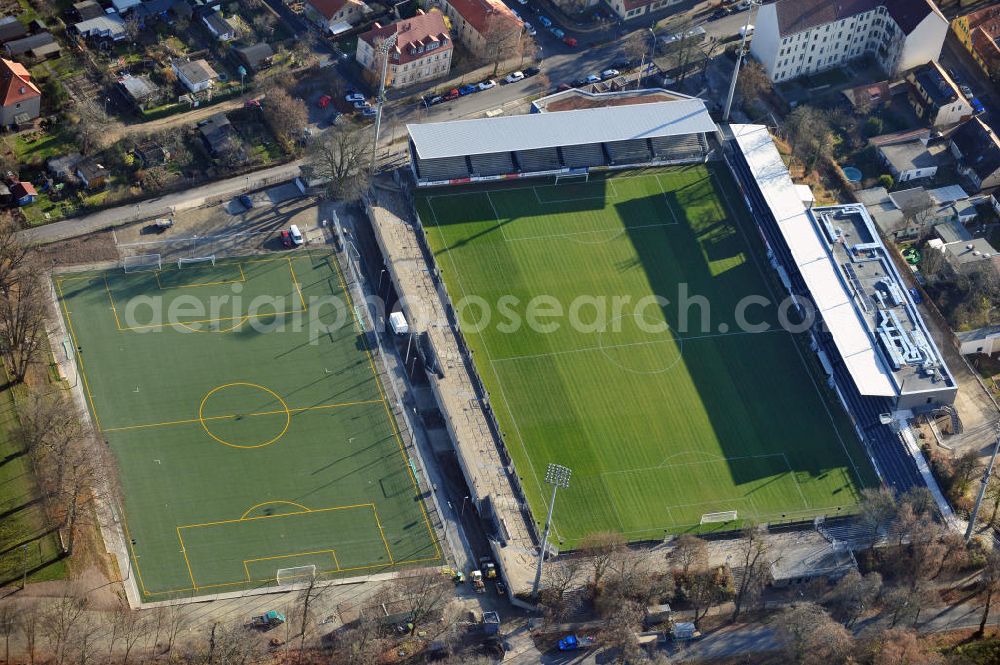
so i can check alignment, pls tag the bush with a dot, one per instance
(886, 181)
(873, 126)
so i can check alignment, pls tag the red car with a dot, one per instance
(286, 239)
(324, 101)
(569, 41)
(452, 94)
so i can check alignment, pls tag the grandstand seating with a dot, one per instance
(542, 159)
(446, 168)
(628, 152)
(670, 148)
(577, 156)
(494, 163)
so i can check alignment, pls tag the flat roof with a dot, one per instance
(457, 138)
(830, 295)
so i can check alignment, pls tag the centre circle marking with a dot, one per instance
(284, 407)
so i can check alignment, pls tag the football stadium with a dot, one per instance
(605, 312)
(255, 448)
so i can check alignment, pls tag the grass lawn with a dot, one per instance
(246, 444)
(24, 539)
(666, 412)
(35, 213)
(42, 145)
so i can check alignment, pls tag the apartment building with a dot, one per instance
(485, 27)
(979, 32)
(935, 97)
(422, 52)
(793, 38)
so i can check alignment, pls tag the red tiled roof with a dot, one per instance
(798, 15)
(419, 31)
(22, 189)
(328, 8)
(15, 83)
(479, 12)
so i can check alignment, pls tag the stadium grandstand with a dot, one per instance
(868, 334)
(538, 144)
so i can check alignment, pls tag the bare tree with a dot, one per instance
(753, 569)
(501, 39)
(424, 593)
(229, 646)
(22, 324)
(83, 642)
(28, 626)
(8, 626)
(684, 48)
(560, 577)
(854, 595)
(619, 635)
(59, 619)
(601, 549)
(689, 551)
(287, 116)
(176, 621)
(753, 81)
(13, 255)
(632, 577)
(342, 155)
(809, 132)
(989, 582)
(898, 646)
(878, 509)
(705, 589)
(360, 644)
(811, 636)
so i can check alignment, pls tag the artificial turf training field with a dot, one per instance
(244, 450)
(662, 421)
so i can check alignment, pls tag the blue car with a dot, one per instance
(977, 106)
(544, 21)
(558, 33)
(467, 89)
(915, 294)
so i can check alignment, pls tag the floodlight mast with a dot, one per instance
(739, 60)
(982, 488)
(556, 475)
(387, 44)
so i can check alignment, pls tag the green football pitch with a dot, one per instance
(669, 420)
(251, 429)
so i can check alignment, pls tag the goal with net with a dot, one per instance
(295, 575)
(714, 518)
(142, 262)
(195, 260)
(583, 176)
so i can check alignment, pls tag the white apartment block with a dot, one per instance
(793, 38)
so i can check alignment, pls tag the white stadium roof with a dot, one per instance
(457, 138)
(849, 332)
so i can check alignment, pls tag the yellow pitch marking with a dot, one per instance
(284, 409)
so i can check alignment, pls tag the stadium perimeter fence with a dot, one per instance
(220, 245)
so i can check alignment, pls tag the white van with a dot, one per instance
(296, 235)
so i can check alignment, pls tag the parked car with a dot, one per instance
(246, 201)
(915, 294)
(286, 238)
(530, 29)
(514, 77)
(746, 30)
(487, 84)
(436, 99)
(966, 90)
(569, 41)
(354, 97)
(296, 235)
(467, 89)
(522, 2)
(546, 23)
(452, 95)
(531, 71)
(609, 74)
(360, 105)
(324, 101)
(557, 32)
(578, 83)
(368, 112)
(721, 12)
(592, 78)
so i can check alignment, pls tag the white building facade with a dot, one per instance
(793, 38)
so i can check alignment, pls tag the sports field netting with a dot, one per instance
(663, 417)
(249, 439)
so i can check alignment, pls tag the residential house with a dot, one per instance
(217, 133)
(952, 231)
(901, 215)
(981, 340)
(625, 9)
(20, 98)
(488, 28)
(935, 97)
(102, 28)
(122, 6)
(219, 26)
(36, 47)
(913, 160)
(797, 37)
(422, 51)
(92, 174)
(11, 29)
(979, 32)
(152, 154)
(977, 149)
(140, 91)
(23, 193)
(965, 257)
(87, 9)
(869, 96)
(196, 75)
(336, 16)
(255, 57)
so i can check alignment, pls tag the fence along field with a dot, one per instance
(244, 455)
(687, 429)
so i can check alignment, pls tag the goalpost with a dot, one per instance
(142, 262)
(715, 518)
(194, 260)
(295, 575)
(583, 176)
